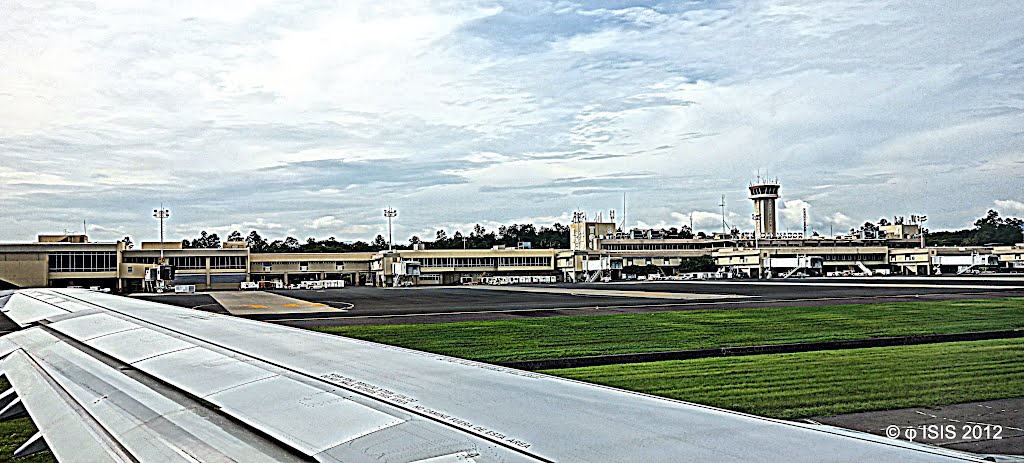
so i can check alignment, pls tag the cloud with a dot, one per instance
(791, 214)
(1010, 206)
(710, 221)
(325, 222)
(491, 111)
(840, 222)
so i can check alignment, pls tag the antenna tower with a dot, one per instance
(624, 223)
(723, 215)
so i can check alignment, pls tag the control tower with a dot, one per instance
(764, 193)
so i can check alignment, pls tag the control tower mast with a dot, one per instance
(764, 193)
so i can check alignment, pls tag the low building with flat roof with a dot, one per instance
(111, 265)
(295, 267)
(943, 260)
(784, 261)
(60, 264)
(1011, 258)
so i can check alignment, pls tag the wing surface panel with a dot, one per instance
(92, 326)
(25, 310)
(309, 419)
(137, 345)
(202, 372)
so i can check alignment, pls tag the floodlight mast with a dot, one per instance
(161, 214)
(921, 219)
(390, 213)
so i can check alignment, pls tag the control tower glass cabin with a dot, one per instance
(764, 195)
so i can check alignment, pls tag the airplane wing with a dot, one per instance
(113, 379)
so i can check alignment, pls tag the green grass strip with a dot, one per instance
(826, 383)
(560, 337)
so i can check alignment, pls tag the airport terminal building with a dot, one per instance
(72, 260)
(599, 250)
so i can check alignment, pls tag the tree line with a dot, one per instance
(556, 236)
(991, 229)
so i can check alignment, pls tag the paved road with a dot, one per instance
(974, 425)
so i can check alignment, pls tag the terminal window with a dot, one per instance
(228, 262)
(434, 262)
(189, 263)
(524, 261)
(83, 261)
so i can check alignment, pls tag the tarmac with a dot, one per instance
(990, 427)
(602, 292)
(263, 303)
(368, 305)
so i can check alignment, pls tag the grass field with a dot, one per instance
(830, 382)
(16, 432)
(559, 337)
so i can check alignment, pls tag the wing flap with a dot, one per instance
(144, 423)
(61, 424)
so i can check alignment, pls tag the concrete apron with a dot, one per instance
(259, 302)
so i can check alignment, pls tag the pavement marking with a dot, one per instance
(260, 303)
(347, 305)
(844, 285)
(608, 292)
(968, 422)
(930, 278)
(198, 307)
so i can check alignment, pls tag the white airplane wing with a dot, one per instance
(113, 379)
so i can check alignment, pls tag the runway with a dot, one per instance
(594, 292)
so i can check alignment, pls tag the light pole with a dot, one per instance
(161, 214)
(390, 213)
(921, 219)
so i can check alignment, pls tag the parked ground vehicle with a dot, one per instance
(248, 285)
(514, 280)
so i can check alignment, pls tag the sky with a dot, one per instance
(309, 118)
